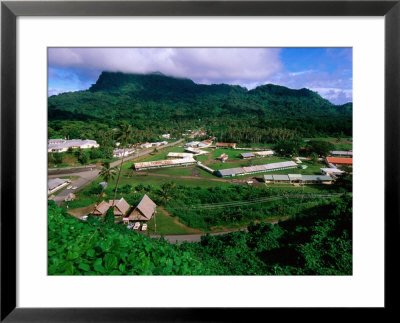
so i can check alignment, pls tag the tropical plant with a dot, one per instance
(124, 135)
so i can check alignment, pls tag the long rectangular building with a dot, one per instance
(164, 163)
(298, 178)
(231, 172)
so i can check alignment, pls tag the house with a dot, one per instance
(144, 210)
(225, 145)
(101, 209)
(55, 184)
(120, 206)
(247, 155)
(223, 157)
(166, 136)
(340, 161)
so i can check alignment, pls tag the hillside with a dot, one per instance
(155, 99)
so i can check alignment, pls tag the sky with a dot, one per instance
(328, 71)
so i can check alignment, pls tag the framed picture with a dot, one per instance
(301, 82)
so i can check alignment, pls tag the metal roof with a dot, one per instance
(55, 182)
(164, 162)
(280, 165)
(321, 178)
(342, 152)
(231, 171)
(247, 155)
(332, 170)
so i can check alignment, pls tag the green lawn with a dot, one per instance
(179, 171)
(342, 144)
(166, 225)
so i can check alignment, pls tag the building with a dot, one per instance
(196, 151)
(231, 172)
(146, 145)
(204, 143)
(101, 209)
(225, 145)
(340, 161)
(118, 153)
(192, 144)
(180, 155)
(223, 157)
(144, 211)
(341, 153)
(166, 136)
(298, 178)
(121, 207)
(164, 163)
(62, 145)
(55, 184)
(331, 171)
(264, 153)
(247, 155)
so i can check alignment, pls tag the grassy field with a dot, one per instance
(233, 154)
(342, 144)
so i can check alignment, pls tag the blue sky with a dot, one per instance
(327, 71)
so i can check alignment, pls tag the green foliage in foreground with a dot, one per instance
(94, 247)
(316, 242)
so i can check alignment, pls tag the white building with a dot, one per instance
(166, 136)
(146, 145)
(55, 184)
(118, 153)
(61, 145)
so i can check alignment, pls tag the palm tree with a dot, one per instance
(124, 135)
(165, 191)
(106, 173)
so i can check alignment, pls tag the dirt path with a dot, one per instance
(176, 221)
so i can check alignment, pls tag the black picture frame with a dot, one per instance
(10, 10)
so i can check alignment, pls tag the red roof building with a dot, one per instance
(340, 160)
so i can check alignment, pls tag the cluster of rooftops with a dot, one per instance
(142, 212)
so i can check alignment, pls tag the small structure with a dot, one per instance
(223, 157)
(101, 209)
(339, 161)
(144, 210)
(164, 163)
(120, 206)
(55, 184)
(205, 144)
(192, 144)
(226, 145)
(70, 197)
(247, 155)
(166, 136)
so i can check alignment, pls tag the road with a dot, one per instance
(86, 177)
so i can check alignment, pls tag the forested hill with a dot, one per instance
(139, 98)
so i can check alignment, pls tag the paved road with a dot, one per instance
(86, 177)
(190, 237)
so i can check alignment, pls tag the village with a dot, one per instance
(205, 162)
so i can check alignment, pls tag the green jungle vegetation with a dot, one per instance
(155, 104)
(315, 242)
(314, 236)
